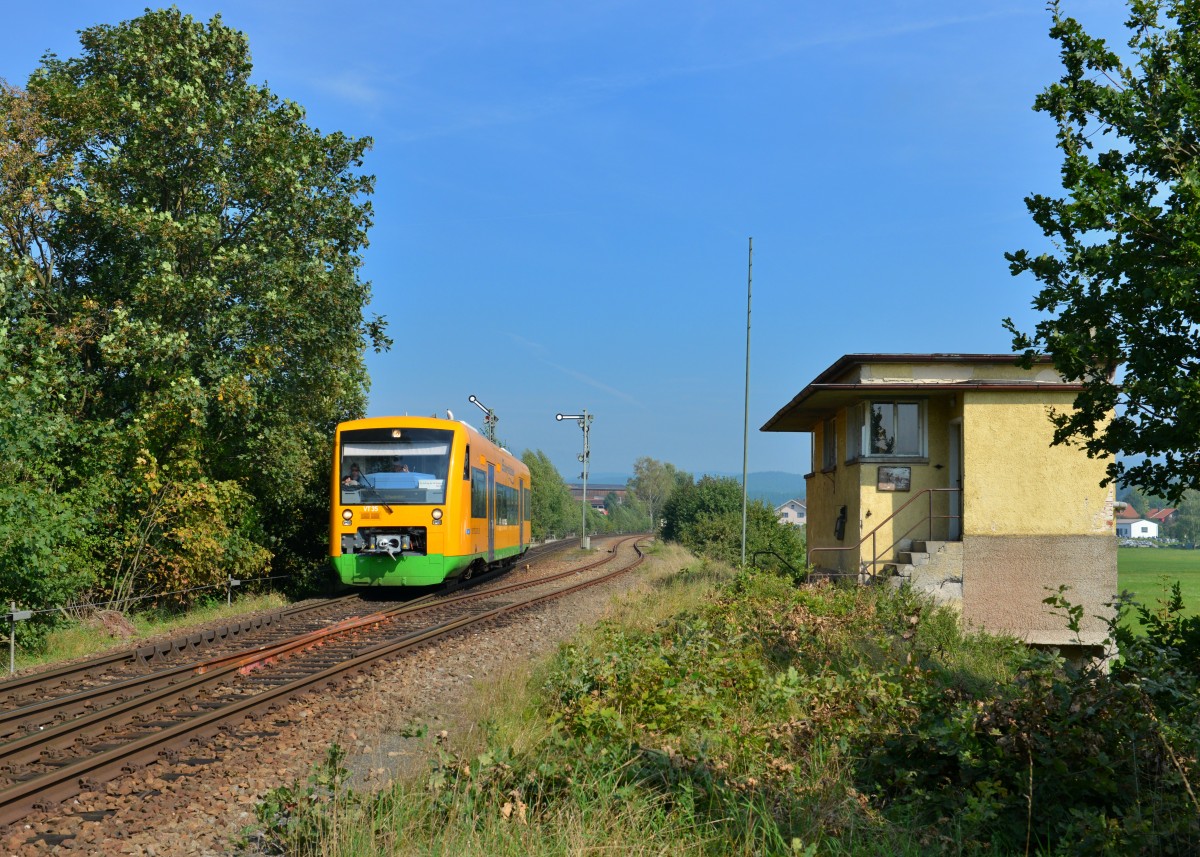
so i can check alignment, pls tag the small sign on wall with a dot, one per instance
(894, 479)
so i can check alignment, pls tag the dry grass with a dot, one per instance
(84, 639)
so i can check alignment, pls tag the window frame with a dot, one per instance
(829, 459)
(859, 443)
(479, 494)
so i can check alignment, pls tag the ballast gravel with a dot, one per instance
(203, 804)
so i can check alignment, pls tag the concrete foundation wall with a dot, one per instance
(1005, 579)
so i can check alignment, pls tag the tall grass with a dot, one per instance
(716, 713)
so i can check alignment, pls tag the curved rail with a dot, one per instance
(154, 652)
(66, 779)
(15, 691)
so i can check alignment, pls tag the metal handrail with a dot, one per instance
(875, 553)
(797, 573)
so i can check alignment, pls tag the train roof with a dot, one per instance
(425, 422)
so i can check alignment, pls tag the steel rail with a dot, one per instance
(140, 689)
(155, 651)
(44, 790)
(196, 640)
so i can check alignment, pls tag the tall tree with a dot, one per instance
(706, 517)
(553, 511)
(1185, 524)
(198, 257)
(1121, 289)
(47, 547)
(652, 483)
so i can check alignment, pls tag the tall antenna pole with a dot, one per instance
(746, 414)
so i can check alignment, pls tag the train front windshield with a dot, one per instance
(394, 466)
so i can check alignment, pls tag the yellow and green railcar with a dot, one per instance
(419, 500)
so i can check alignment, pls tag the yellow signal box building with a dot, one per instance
(937, 471)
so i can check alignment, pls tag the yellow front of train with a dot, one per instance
(393, 496)
(418, 500)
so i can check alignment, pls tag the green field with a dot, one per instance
(1141, 571)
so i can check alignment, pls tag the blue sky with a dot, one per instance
(565, 192)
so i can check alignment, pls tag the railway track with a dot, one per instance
(75, 741)
(24, 691)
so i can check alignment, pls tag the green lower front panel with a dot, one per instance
(410, 570)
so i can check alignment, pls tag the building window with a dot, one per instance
(829, 445)
(890, 430)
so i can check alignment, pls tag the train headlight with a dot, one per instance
(437, 516)
(347, 514)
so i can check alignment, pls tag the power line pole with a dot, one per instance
(746, 414)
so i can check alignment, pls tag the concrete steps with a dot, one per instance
(933, 567)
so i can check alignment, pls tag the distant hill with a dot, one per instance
(774, 486)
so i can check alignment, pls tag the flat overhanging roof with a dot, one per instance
(831, 390)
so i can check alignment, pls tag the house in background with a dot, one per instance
(793, 513)
(1138, 528)
(937, 470)
(1162, 517)
(597, 494)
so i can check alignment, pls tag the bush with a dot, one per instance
(779, 720)
(706, 518)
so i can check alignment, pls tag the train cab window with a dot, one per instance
(395, 466)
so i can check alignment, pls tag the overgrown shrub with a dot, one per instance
(706, 518)
(1063, 759)
(844, 720)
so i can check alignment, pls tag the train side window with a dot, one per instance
(467, 464)
(478, 493)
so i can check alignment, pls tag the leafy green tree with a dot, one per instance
(652, 483)
(553, 510)
(706, 518)
(1185, 523)
(626, 515)
(47, 552)
(1119, 291)
(190, 256)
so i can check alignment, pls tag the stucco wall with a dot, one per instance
(1034, 517)
(855, 485)
(1005, 579)
(1016, 483)
(826, 493)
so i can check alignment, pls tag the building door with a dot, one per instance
(491, 500)
(955, 527)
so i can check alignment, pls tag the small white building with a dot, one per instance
(793, 512)
(1139, 529)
